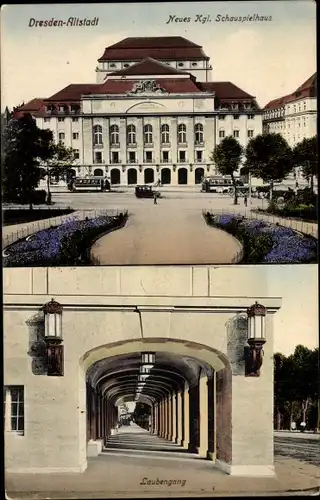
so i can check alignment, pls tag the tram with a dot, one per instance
(88, 184)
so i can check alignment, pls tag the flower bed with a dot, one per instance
(266, 243)
(65, 245)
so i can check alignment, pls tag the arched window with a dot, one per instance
(114, 134)
(148, 134)
(198, 132)
(165, 134)
(182, 134)
(131, 134)
(97, 134)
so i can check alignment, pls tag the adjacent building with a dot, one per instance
(294, 116)
(153, 114)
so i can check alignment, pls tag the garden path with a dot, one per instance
(160, 235)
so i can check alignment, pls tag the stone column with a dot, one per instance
(203, 414)
(169, 430)
(179, 437)
(139, 137)
(190, 149)
(161, 418)
(123, 151)
(186, 419)
(173, 142)
(174, 417)
(165, 418)
(106, 141)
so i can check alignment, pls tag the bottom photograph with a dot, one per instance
(161, 381)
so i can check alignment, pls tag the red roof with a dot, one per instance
(149, 66)
(307, 89)
(34, 107)
(225, 90)
(74, 91)
(163, 48)
(171, 85)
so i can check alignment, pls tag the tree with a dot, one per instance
(57, 160)
(305, 156)
(270, 158)
(23, 147)
(227, 157)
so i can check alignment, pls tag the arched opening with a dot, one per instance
(175, 399)
(166, 176)
(98, 172)
(198, 175)
(115, 176)
(148, 176)
(182, 176)
(132, 176)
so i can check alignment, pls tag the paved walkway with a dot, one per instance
(158, 234)
(136, 464)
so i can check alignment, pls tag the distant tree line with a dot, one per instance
(296, 389)
(268, 157)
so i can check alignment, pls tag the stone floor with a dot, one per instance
(136, 464)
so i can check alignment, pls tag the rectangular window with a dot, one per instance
(182, 157)
(236, 117)
(165, 156)
(47, 119)
(75, 119)
(250, 133)
(132, 157)
(114, 157)
(14, 409)
(76, 154)
(221, 133)
(236, 133)
(148, 156)
(60, 119)
(98, 157)
(199, 156)
(250, 117)
(61, 136)
(75, 135)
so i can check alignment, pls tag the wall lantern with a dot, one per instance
(90, 169)
(158, 168)
(123, 168)
(256, 339)
(140, 168)
(208, 168)
(191, 165)
(53, 337)
(107, 170)
(174, 167)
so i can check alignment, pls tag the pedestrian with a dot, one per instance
(303, 426)
(245, 200)
(155, 198)
(293, 426)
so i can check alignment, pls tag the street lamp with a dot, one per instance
(256, 339)
(53, 337)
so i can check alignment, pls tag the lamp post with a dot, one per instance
(256, 339)
(53, 337)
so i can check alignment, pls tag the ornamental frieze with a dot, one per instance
(147, 87)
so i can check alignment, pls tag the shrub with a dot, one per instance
(66, 244)
(268, 243)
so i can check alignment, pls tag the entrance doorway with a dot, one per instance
(182, 176)
(198, 175)
(166, 176)
(148, 176)
(115, 176)
(132, 176)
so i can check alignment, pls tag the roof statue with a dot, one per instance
(147, 87)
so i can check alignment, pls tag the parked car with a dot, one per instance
(146, 192)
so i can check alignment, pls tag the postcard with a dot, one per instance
(159, 248)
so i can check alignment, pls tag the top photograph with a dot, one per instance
(159, 134)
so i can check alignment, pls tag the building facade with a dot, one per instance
(154, 114)
(62, 390)
(294, 116)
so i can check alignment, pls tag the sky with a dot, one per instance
(267, 59)
(297, 321)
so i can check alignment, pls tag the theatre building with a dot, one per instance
(154, 113)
